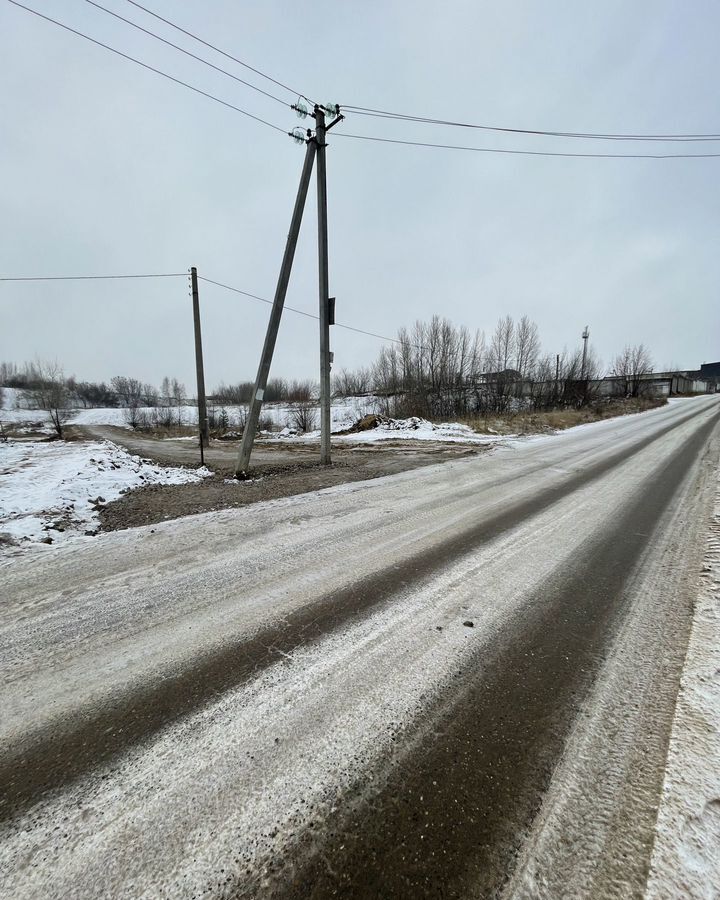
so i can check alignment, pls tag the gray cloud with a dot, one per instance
(108, 168)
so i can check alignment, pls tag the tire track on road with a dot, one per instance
(448, 817)
(46, 761)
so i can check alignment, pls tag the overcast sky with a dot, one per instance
(108, 168)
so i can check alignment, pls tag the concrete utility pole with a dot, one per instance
(557, 376)
(201, 402)
(583, 370)
(324, 289)
(276, 314)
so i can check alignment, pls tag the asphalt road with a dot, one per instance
(452, 682)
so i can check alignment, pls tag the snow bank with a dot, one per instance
(686, 858)
(53, 490)
(412, 429)
(417, 429)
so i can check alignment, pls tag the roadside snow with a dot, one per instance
(412, 429)
(51, 490)
(686, 858)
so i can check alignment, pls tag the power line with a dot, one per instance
(600, 136)
(301, 312)
(220, 284)
(187, 52)
(227, 287)
(218, 50)
(91, 277)
(366, 137)
(146, 66)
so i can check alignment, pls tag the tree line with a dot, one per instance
(436, 369)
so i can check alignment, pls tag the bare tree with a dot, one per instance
(50, 392)
(95, 395)
(178, 392)
(527, 347)
(150, 396)
(165, 391)
(352, 384)
(300, 391)
(8, 373)
(630, 365)
(302, 416)
(502, 345)
(501, 354)
(128, 390)
(234, 394)
(276, 389)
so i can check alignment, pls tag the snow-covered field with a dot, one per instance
(52, 491)
(344, 413)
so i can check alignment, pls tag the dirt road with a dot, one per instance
(278, 470)
(451, 682)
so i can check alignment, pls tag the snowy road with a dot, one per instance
(284, 700)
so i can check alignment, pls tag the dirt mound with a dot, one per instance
(367, 423)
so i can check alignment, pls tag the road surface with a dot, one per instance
(457, 681)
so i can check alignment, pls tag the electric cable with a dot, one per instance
(218, 50)
(366, 137)
(302, 312)
(147, 66)
(187, 52)
(90, 277)
(385, 114)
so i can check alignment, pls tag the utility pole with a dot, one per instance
(557, 376)
(201, 402)
(243, 462)
(583, 370)
(324, 289)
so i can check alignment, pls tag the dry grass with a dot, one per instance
(559, 419)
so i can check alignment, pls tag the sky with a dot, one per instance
(111, 169)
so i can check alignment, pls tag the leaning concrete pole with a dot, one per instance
(248, 438)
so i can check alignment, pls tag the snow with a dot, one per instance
(686, 858)
(10, 398)
(345, 412)
(234, 784)
(412, 429)
(51, 489)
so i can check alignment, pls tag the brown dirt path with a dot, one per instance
(278, 471)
